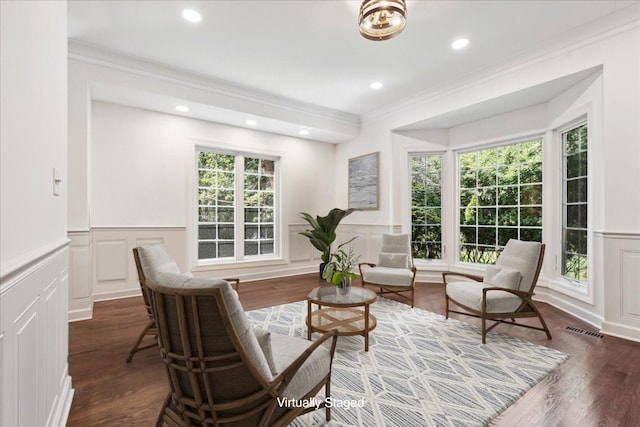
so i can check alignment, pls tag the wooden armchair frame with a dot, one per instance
(526, 308)
(396, 244)
(393, 289)
(150, 327)
(259, 407)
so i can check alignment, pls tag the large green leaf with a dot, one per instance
(323, 232)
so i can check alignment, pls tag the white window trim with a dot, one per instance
(496, 143)
(560, 283)
(192, 148)
(423, 262)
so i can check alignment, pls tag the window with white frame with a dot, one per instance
(426, 205)
(500, 199)
(574, 203)
(236, 206)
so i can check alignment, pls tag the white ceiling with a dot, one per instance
(311, 51)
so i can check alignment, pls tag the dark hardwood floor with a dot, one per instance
(598, 386)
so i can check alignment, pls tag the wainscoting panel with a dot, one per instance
(622, 285)
(630, 267)
(299, 247)
(115, 275)
(26, 325)
(36, 387)
(369, 238)
(80, 279)
(112, 260)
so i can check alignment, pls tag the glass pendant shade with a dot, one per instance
(382, 19)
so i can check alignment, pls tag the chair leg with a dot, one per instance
(484, 330)
(327, 392)
(413, 294)
(136, 346)
(160, 420)
(544, 325)
(446, 306)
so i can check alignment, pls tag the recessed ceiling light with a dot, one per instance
(303, 132)
(191, 15)
(182, 108)
(376, 85)
(460, 43)
(251, 122)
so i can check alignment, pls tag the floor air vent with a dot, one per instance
(583, 332)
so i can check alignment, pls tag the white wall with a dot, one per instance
(524, 121)
(141, 166)
(33, 128)
(133, 176)
(35, 387)
(613, 104)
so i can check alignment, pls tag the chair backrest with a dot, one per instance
(155, 259)
(525, 257)
(396, 251)
(151, 260)
(215, 366)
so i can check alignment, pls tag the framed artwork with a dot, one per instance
(363, 182)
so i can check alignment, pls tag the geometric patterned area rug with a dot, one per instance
(421, 369)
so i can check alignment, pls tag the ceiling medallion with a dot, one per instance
(382, 19)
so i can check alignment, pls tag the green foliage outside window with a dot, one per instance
(500, 199)
(575, 179)
(218, 201)
(426, 206)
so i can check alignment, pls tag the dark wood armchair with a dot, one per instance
(156, 259)
(506, 290)
(218, 373)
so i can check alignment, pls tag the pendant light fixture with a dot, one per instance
(382, 19)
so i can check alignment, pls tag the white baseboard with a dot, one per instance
(275, 274)
(593, 319)
(429, 276)
(80, 314)
(61, 414)
(123, 293)
(621, 331)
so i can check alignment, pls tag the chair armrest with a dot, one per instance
(521, 294)
(235, 280)
(287, 375)
(468, 276)
(370, 264)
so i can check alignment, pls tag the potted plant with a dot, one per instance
(339, 270)
(323, 232)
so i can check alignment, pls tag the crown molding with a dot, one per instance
(622, 21)
(92, 54)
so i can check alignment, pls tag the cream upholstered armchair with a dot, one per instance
(221, 371)
(394, 272)
(155, 259)
(506, 290)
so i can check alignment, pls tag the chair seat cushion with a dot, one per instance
(388, 276)
(286, 349)
(469, 294)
